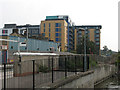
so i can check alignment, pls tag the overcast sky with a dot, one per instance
(81, 12)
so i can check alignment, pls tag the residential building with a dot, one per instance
(57, 29)
(92, 31)
(33, 30)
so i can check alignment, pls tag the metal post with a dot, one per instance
(52, 71)
(65, 67)
(4, 76)
(27, 39)
(75, 65)
(85, 51)
(19, 45)
(33, 74)
(87, 62)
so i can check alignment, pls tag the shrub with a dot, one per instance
(43, 69)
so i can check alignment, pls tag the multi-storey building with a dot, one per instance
(57, 29)
(33, 30)
(92, 31)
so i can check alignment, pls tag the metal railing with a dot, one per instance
(41, 72)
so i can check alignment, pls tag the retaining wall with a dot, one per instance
(85, 79)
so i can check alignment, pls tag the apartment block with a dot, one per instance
(56, 28)
(92, 31)
(33, 30)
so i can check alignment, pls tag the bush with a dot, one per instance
(43, 69)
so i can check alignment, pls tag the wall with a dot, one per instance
(102, 72)
(85, 79)
(26, 66)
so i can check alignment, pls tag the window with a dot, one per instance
(4, 31)
(44, 25)
(49, 24)
(49, 29)
(58, 39)
(43, 34)
(86, 31)
(58, 29)
(58, 34)
(34, 31)
(57, 24)
(97, 35)
(97, 31)
(97, 43)
(97, 39)
(49, 34)
(44, 29)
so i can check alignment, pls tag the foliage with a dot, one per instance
(92, 63)
(43, 69)
(71, 64)
(106, 51)
(91, 47)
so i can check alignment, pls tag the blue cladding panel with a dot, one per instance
(33, 44)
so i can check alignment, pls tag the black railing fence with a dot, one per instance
(40, 72)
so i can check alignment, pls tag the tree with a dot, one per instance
(91, 47)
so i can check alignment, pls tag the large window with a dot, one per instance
(57, 24)
(58, 29)
(58, 39)
(49, 34)
(44, 29)
(97, 35)
(49, 29)
(58, 34)
(44, 24)
(49, 25)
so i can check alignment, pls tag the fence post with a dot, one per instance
(65, 67)
(33, 74)
(87, 62)
(52, 71)
(4, 76)
(83, 64)
(75, 65)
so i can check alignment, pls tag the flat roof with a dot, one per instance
(30, 53)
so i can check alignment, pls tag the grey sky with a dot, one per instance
(81, 12)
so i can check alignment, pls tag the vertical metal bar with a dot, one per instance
(75, 65)
(65, 67)
(33, 74)
(88, 63)
(52, 71)
(27, 38)
(83, 64)
(4, 76)
(85, 51)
